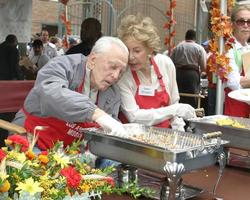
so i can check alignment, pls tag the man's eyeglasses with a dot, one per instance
(242, 22)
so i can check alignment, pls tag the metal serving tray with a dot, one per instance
(192, 155)
(238, 137)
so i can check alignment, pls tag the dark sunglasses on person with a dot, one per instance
(242, 22)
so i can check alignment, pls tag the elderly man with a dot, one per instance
(75, 91)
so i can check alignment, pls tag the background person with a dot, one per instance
(39, 59)
(91, 31)
(240, 18)
(73, 42)
(49, 49)
(149, 91)
(75, 91)
(9, 59)
(59, 45)
(211, 88)
(9, 70)
(190, 60)
(34, 62)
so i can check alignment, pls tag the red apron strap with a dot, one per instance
(136, 78)
(80, 88)
(158, 73)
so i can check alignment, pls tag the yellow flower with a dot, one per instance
(62, 160)
(44, 177)
(3, 175)
(53, 191)
(30, 186)
(17, 156)
(85, 188)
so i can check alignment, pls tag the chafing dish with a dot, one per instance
(238, 137)
(160, 150)
(151, 151)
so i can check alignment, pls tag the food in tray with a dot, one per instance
(159, 140)
(171, 141)
(224, 122)
(230, 122)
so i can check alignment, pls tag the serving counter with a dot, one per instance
(234, 184)
(163, 151)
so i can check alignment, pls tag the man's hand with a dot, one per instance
(112, 125)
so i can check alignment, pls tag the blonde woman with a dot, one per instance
(148, 88)
(237, 79)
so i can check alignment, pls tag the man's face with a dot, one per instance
(241, 25)
(107, 68)
(38, 50)
(45, 36)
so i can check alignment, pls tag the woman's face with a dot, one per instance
(241, 25)
(138, 54)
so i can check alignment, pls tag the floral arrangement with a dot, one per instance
(170, 27)
(66, 22)
(58, 173)
(221, 27)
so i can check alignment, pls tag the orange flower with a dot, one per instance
(169, 13)
(64, 1)
(43, 159)
(169, 26)
(30, 154)
(173, 4)
(5, 186)
(166, 26)
(221, 27)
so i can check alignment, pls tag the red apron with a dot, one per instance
(160, 99)
(235, 108)
(57, 130)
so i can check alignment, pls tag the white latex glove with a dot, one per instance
(110, 124)
(182, 110)
(185, 111)
(178, 124)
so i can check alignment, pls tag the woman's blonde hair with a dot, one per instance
(141, 29)
(237, 9)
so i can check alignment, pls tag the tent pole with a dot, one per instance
(219, 86)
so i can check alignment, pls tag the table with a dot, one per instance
(234, 184)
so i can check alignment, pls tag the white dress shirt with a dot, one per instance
(234, 76)
(128, 89)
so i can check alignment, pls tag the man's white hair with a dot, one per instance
(105, 43)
